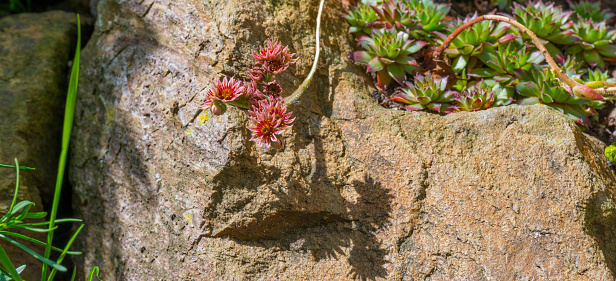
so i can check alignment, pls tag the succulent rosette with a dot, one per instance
(222, 92)
(596, 45)
(465, 48)
(572, 67)
(548, 22)
(502, 95)
(394, 15)
(589, 10)
(539, 86)
(598, 75)
(426, 92)
(388, 53)
(359, 17)
(500, 63)
(477, 97)
(429, 17)
(274, 58)
(269, 118)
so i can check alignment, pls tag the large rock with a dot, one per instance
(359, 192)
(34, 56)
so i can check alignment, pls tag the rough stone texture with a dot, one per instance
(359, 192)
(34, 55)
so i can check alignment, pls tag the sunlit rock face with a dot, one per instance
(359, 192)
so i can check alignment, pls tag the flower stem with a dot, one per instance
(300, 90)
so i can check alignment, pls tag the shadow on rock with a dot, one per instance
(600, 220)
(356, 230)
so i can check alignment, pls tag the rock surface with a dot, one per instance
(34, 55)
(359, 192)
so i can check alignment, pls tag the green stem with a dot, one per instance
(268, 77)
(66, 136)
(300, 90)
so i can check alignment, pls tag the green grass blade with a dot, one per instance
(21, 269)
(16, 189)
(51, 263)
(3, 271)
(17, 208)
(47, 222)
(37, 242)
(61, 258)
(13, 167)
(74, 273)
(66, 136)
(5, 275)
(8, 265)
(34, 229)
(37, 215)
(92, 272)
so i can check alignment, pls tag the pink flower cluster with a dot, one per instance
(261, 95)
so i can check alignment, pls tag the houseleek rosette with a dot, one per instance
(596, 44)
(388, 53)
(540, 86)
(426, 93)
(470, 43)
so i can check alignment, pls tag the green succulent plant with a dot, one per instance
(572, 66)
(371, 2)
(359, 17)
(501, 4)
(500, 63)
(471, 42)
(429, 17)
(596, 45)
(589, 10)
(540, 86)
(610, 153)
(477, 97)
(598, 75)
(393, 14)
(426, 92)
(549, 23)
(388, 53)
(503, 95)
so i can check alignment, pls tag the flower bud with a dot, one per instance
(278, 143)
(218, 108)
(584, 92)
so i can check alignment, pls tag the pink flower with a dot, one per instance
(252, 92)
(274, 58)
(272, 89)
(256, 73)
(270, 118)
(223, 91)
